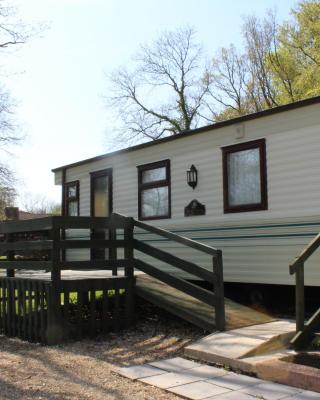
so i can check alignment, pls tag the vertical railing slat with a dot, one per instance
(129, 272)
(105, 309)
(19, 308)
(113, 236)
(116, 310)
(12, 306)
(24, 303)
(36, 325)
(219, 291)
(42, 312)
(300, 313)
(92, 317)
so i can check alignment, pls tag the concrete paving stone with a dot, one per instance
(170, 379)
(198, 390)
(271, 391)
(139, 371)
(175, 364)
(205, 372)
(305, 395)
(234, 395)
(235, 381)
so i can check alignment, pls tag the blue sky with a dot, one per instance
(58, 78)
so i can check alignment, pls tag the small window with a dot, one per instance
(245, 177)
(154, 190)
(72, 199)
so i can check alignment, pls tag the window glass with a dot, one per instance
(101, 196)
(72, 209)
(153, 175)
(154, 190)
(72, 198)
(244, 186)
(72, 191)
(155, 202)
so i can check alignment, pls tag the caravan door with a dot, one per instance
(101, 206)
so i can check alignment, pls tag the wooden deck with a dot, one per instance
(172, 300)
(193, 310)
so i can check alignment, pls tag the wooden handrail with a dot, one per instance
(297, 268)
(215, 298)
(177, 238)
(306, 253)
(63, 222)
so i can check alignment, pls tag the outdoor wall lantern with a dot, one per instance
(192, 176)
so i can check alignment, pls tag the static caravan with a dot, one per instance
(249, 186)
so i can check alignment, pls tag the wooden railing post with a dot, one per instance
(129, 270)
(300, 316)
(113, 236)
(10, 255)
(55, 257)
(219, 291)
(54, 327)
(128, 251)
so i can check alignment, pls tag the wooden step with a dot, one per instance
(193, 310)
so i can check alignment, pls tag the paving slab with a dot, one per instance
(198, 390)
(211, 383)
(235, 381)
(205, 372)
(139, 371)
(234, 395)
(230, 347)
(271, 391)
(305, 395)
(174, 364)
(170, 379)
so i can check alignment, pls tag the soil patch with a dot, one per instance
(84, 370)
(308, 359)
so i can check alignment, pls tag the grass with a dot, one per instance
(73, 297)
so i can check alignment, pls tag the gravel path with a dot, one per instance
(84, 370)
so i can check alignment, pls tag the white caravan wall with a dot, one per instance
(253, 249)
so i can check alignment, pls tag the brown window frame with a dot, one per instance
(254, 144)
(152, 185)
(75, 198)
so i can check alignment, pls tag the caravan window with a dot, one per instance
(154, 190)
(72, 198)
(244, 176)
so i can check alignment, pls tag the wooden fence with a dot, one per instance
(33, 310)
(54, 310)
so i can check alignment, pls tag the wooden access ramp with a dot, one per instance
(193, 310)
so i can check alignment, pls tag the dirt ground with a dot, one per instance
(84, 369)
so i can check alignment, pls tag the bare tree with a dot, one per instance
(7, 199)
(229, 76)
(39, 204)
(164, 94)
(13, 32)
